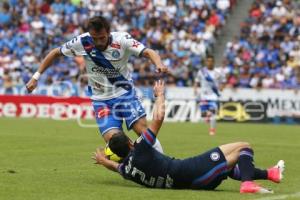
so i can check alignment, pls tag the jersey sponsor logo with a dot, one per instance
(215, 156)
(115, 54)
(135, 44)
(103, 112)
(109, 73)
(116, 46)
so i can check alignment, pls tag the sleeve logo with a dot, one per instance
(215, 156)
(135, 44)
(115, 54)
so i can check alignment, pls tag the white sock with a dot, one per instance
(212, 121)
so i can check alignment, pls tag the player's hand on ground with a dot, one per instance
(162, 69)
(31, 85)
(159, 88)
(99, 156)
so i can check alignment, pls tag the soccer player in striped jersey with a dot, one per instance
(112, 91)
(146, 166)
(209, 79)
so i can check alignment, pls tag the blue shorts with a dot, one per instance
(110, 113)
(207, 105)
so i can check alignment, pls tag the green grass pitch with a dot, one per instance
(47, 159)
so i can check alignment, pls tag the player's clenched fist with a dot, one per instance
(31, 85)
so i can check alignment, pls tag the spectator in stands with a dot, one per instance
(183, 31)
(5, 15)
(7, 82)
(269, 43)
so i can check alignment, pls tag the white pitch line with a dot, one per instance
(279, 197)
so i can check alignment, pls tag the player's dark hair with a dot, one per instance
(210, 56)
(118, 144)
(97, 23)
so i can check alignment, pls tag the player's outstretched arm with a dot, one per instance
(101, 159)
(51, 56)
(156, 60)
(159, 107)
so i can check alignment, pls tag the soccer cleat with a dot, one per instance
(275, 173)
(252, 187)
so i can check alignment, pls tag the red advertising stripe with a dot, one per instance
(45, 107)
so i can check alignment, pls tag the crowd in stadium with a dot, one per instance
(182, 31)
(266, 54)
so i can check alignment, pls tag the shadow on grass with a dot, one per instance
(127, 184)
(114, 182)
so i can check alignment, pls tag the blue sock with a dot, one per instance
(245, 163)
(259, 174)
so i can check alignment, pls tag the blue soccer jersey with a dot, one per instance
(146, 166)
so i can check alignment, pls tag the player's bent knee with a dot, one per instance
(245, 145)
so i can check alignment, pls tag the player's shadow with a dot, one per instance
(226, 191)
(126, 184)
(120, 183)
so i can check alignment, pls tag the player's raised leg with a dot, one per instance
(239, 158)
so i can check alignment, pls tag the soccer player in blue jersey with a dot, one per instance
(144, 165)
(106, 56)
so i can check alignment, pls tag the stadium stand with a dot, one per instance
(267, 52)
(182, 31)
